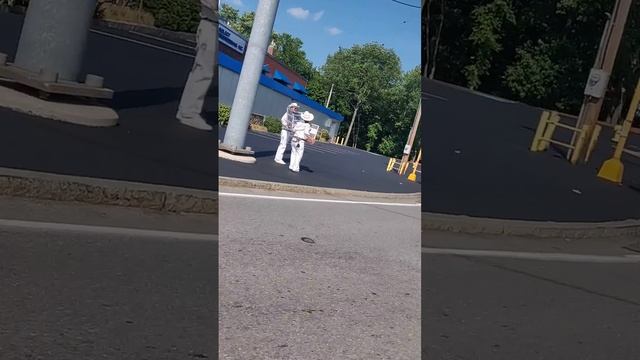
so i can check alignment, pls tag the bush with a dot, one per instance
(175, 15)
(223, 114)
(272, 124)
(324, 134)
(108, 11)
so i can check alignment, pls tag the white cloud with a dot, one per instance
(298, 13)
(334, 31)
(318, 15)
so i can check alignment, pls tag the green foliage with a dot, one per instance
(272, 124)
(175, 15)
(288, 47)
(224, 112)
(536, 51)
(488, 21)
(242, 23)
(289, 52)
(533, 72)
(369, 76)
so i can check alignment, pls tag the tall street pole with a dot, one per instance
(591, 109)
(54, 37)
(412, 134)
(235, 135)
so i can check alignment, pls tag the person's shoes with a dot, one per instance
(195, 122)
(281, 162)
(295, 171)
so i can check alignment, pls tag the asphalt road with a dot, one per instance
(351, 294)
(479, 164)
(323, 165)
(149, 145)
(488, 307)
(110, 291)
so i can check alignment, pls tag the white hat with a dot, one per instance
(307, 116)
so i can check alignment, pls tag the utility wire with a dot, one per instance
(400, 2)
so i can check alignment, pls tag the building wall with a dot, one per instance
(268, 102)
(290, 74)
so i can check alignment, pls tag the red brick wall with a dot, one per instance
(269, 60)
(290, 74)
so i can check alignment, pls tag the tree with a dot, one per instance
(288, 47)
(536, 51)
(289, 52)
(359, 74)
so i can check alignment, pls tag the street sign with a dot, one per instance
(230, 38)
(407, 149)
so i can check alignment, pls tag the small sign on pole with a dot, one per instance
(407, 149)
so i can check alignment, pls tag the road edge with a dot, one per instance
(231, 182)
(47, 186)
(539, 229)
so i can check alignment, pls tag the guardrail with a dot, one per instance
(549, 122)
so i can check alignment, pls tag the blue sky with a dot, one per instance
(325, 25)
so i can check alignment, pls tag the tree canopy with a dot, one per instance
(534, 51)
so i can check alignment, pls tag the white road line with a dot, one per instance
(142, 43)
(624, 259)
(161, 39)
(254, 196)
(107, 230)
(435, 96)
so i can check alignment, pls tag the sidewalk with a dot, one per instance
(149, 145)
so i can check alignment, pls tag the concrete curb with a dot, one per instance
(539, 229)
(87, 115)
(45, 186)
(304, 189)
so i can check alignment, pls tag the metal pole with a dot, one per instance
(412, 134)
(54, 37)
(329, 98)
(245, 94)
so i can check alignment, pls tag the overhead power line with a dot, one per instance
(410, 5)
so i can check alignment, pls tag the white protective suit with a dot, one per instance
(301, 131)
(288, 120)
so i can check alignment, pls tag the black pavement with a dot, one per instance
(506, 308)
(323, 165)
(148, 145)
(479, 164)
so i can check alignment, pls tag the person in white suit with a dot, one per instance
(288, 120)
(301, 135)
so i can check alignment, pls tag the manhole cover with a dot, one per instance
(308, 240)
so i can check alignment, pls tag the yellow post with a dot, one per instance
(593, 142)
(616, 135)
(554, 118)
(413, 176)
(542, 124)
(392, 162)
(581, 139)
(613, 168)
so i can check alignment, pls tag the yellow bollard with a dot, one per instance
(392, 162)
(542, 124)
(413, 176)
(613, 169)
(593, 142)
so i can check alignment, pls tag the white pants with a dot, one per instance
(297, 150)
(284, 137)
(201, 75)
